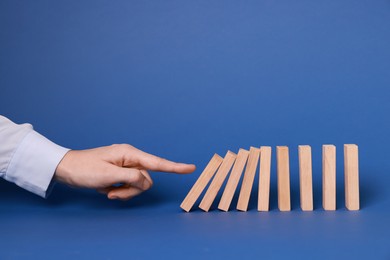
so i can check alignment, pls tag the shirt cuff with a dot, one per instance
(34, 163)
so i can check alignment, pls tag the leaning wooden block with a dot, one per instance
(283, 174)
(351, 175)
(264, 178)
(329, 177)
(249, 176)
(305, 177)
(234, 178)
(201, 182)
(217, 182)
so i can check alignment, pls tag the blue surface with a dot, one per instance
(185, 79)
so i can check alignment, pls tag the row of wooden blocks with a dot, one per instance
(219, 168)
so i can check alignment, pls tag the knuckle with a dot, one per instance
(135, 176)
(115, 146)
(122, 147)
(147, 185)
(160, 162)
(126, 146)
(164, 164)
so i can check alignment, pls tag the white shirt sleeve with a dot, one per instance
(27, 158)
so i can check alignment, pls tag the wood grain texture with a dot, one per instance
(351, 176)
(329, 177)
(217, 182)
(249, 176)
(234, 178)
(264, 178)
(201, 182)
(305, 177)
(283, 175)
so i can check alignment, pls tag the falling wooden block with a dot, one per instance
(234, 178)
(217, 182)
(283, 174)
(249, 176)
(305, 177)
(264, 178)
(201, 182)
(351, 175)
(329, 177)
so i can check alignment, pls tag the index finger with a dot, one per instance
(155, 163)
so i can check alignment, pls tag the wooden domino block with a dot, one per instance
(234, 178)
(264, 178)
(201, 182)
(217, 182)
(329, 177)
(249, 176)
(305, 177)
(283, 174)
(351, 175)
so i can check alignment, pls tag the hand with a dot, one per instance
(102, 168)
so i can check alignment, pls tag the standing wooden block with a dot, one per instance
(351, 175)
(305, 177)
(283, 172)
(217, 182)
(201, 182)
(329, 177)
(249, 176)
(234, 178)
(264, 178)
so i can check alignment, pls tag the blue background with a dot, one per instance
(184, 80)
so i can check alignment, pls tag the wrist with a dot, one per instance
(62, 170)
